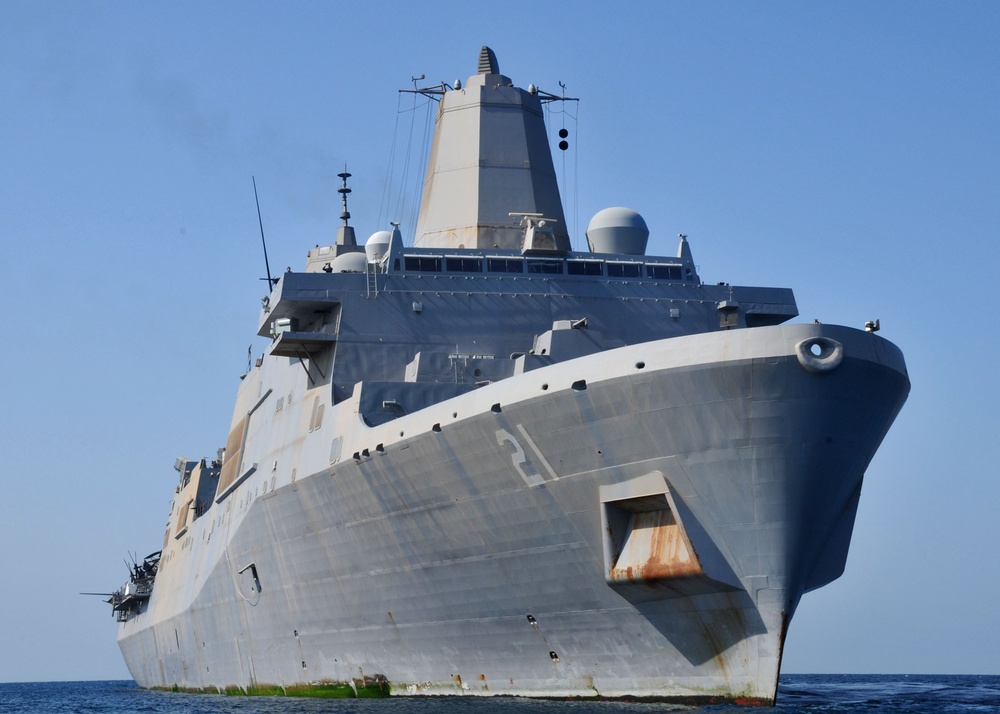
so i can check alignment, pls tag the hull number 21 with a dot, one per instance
(525, 467)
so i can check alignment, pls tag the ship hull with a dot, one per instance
(637, 523)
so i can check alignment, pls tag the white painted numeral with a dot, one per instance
(531, 478)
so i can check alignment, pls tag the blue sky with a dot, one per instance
(849, 151)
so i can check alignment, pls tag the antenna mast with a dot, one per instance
(345, 234)
(267, 267)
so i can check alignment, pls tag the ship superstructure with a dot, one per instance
(487, 464)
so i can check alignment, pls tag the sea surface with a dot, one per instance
(895, 694)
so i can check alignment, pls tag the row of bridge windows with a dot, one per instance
(541, 266)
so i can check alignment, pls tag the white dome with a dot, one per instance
(378, 245)
(349, 263)
(617, 230)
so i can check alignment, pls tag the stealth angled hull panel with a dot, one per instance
(424, 561)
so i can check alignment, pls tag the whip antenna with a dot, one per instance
(267, 267)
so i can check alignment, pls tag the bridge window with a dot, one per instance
(504, 265)
(664, 272)
(585, 267)
(624, 270)
(549, 267)
(463, 265)
(423, 263)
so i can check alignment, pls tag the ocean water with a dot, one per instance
(891, 694)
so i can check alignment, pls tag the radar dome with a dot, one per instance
(349, 263)
(378, 245)
(617, 230)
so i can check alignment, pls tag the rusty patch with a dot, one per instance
(655, 548)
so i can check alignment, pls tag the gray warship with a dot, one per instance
(487, 464)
